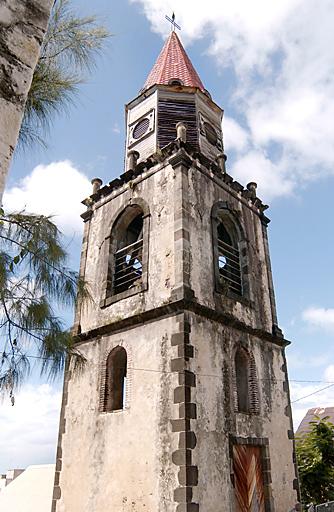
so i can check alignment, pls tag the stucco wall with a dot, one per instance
(214, 348)
(203, 194)
(121, 460)
(125, 457)
(22, 27)
(157, 190)
(160, 189)
(182, 411)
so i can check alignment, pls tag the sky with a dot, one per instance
(270, 66)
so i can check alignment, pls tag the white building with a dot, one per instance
(30, 491)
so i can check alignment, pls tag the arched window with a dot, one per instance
(230, 252)
(126, 272)
(128, 266)
(115, 382)
(245, 382)
(229, 257)
(241, 362)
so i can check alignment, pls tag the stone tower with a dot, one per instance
(183, 403)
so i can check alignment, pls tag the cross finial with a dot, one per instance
(172, 21)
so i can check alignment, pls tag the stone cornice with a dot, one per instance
(181, 153)
(179, 306)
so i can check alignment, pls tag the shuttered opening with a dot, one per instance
(171, 112)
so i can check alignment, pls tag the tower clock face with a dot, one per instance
(141, 128)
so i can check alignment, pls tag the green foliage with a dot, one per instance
(315, 457)
(34, 279)
(67, 53)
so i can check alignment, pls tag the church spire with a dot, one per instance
(173, 65)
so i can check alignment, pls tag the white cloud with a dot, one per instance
(271, 178)
(116, 128)
(281, 52)
(235, 137)
(319, 317)
(298, 360)
(54, 189)
(299, 390)
(329, 373)
(29, 429)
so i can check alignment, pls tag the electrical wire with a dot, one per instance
(314, 393)
(30, 356)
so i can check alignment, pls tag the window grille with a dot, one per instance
(128, 255)
(128, 266)
(127, 263)
(229, 261)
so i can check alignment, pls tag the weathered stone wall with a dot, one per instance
(168, 193)
(121, 461)
(22, 27)
(213, 361)
(157, 190)
(203, 192)
(181, 336)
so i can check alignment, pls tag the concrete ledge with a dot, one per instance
(178, 306)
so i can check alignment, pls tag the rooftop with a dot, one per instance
(173, 64)
(31, 491)
(321, 412)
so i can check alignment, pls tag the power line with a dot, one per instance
(152, 370)
(314, 393)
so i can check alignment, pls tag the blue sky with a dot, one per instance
(270, 67)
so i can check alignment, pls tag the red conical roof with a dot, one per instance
(173, 63)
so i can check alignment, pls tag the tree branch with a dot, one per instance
(15, 242)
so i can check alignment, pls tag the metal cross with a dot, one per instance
(171, 20)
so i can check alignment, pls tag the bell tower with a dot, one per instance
(183, 402)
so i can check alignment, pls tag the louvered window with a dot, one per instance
(170, 112)
(211, 134)
(141, 128)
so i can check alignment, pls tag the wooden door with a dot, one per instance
(248, 479)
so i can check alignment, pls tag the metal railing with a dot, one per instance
(229, 266)
(128, 267)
